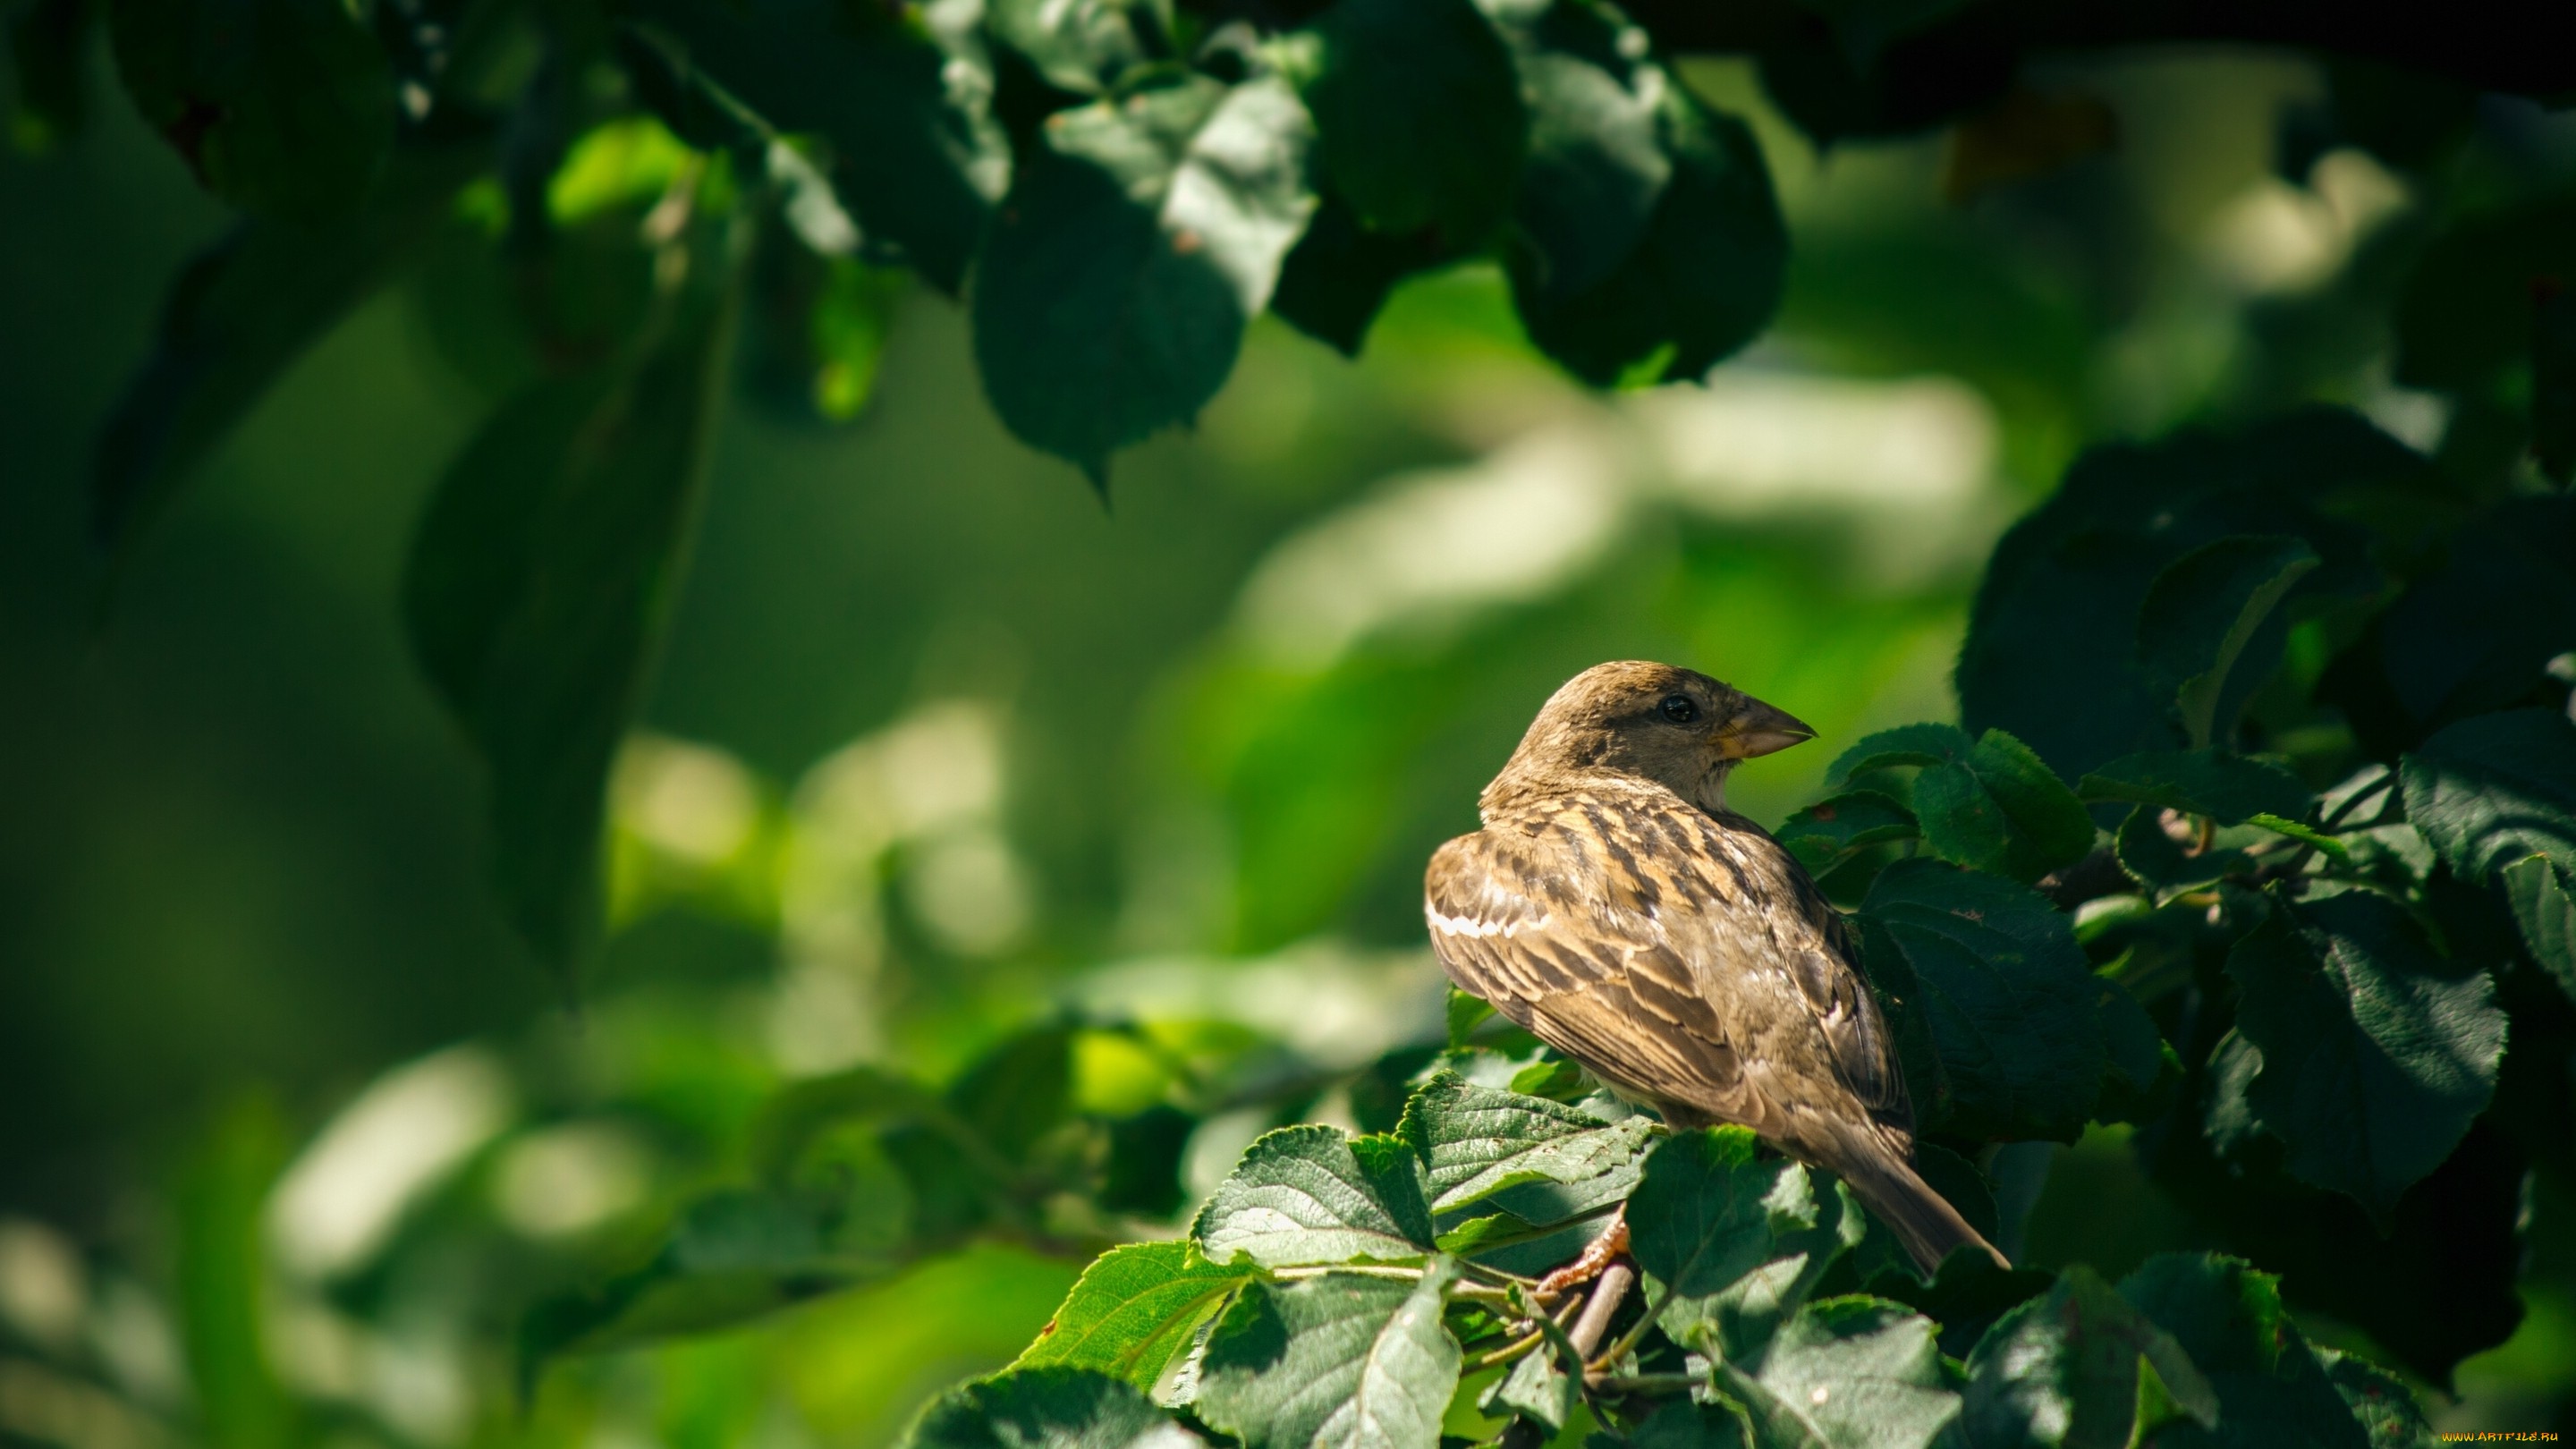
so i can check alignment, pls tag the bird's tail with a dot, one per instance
(1922, 1219)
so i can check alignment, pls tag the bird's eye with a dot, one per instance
(1680, 708)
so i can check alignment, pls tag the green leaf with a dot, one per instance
(1339, 274)
(240, 314)
(2168, 867)
(539, 584)
(49, 41)
(1703, 280)
(1466, 1011)
(1707, 1209)
(1054, 1407)
(732, 1257)
(1134, 247)
(1989, 803)
(2206, 615)
(1967, 1296)
(1539, 1388)
(284, 108)
(1134, 1309)
(2377, 1053)
(1418, 119)
(1597, 165)
(2051, 653)
(2013, 1008)
(915, 168)
(1083, 46)
(1914, 744)
(1310, 1195)
(2071, 1367)
(2544, 907)
(1479, 1142)
(1019, 1090)
(1832, 828)
(2465, 314)
(1681, 1424)
(2388, 1414)
(2478, 633)
(2495, 790)
(1339, 1361)
(2230, 789)
(2228, 1319)
(1847, 1373)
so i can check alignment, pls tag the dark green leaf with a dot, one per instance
(1339, 274)
(1986, 803)
(1914, 744)
(239, 315)
(1310, 1195)
(1703, 280)
(1018, 1091)
(2389, 1414)
(2148, 850)
(1847, 1373)
(1134, 1309)
(1966, 1297)
(49, 40)
(2051, 649)
(1053, 1407)
(2207, 632)
(1597, 165)
(283, 107)
(731, 1257)
(2145, 1069)
(539, 584)
(2497, 789)
(2544, 907)
(1826, 831)
(2228, 1319)
(1479, 1142)
(2553, 383)
(2230, 789)
(1334, 1362)
(1115, 286)
(1681, 1424)
(2377, 1052)
(914, 167)
(1466, 1011)
(2012, 1006)
(2466, 312)
(2478, 633)
(2066, 1369)
(1418, 119)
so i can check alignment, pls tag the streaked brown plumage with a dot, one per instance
(1614, 907)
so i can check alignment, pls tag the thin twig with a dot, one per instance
(1517, 1348)
(1627, 1341)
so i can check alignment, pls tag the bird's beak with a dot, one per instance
(1760, 729)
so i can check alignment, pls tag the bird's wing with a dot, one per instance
(1656, 951)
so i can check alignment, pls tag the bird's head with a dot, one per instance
(1676, 727)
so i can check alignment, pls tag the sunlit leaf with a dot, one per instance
(1847, 1373)
(1048, 1407)
(1134, 1309)
(1479, 1143)
(1311, 1195)
(1339, 1361)
(2067, 1368)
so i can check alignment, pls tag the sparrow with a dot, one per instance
(1617, 910)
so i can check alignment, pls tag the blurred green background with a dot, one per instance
(294, 1132)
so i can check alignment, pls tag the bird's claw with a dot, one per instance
(1604, 1250)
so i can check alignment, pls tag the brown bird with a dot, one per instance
(1615, 908)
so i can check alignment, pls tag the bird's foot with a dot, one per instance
(1604, 1250)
